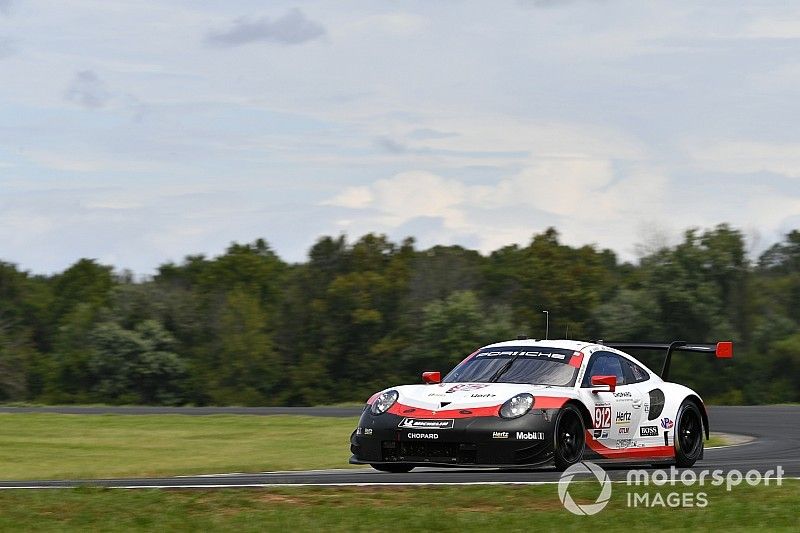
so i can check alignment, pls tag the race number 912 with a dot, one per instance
(602, 417)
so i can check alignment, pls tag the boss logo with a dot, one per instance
(648, 431)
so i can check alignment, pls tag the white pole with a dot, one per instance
(547, 324)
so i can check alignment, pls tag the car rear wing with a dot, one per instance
(722, 350)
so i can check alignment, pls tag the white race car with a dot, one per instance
(528, 403)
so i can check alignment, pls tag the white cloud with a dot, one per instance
(291, 28)
(772, 210)
(737, 156)
(771, 27)
(353, 197)
(396, 23)
(575, 195)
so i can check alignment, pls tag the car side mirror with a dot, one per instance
(431, 377)
(604, 381)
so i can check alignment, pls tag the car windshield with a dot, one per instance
(537, 366)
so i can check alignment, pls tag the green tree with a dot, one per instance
(453, 328)
(135, 366)
(244, 368)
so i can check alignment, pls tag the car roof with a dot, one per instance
(579, 346)
(549, 343)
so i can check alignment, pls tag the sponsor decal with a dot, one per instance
(622, 395)
(420, 423)
(358, 431)
(637, 404)
(648, 431)
(367, 431)
(604, 435)
(597, 433)
(466, 387)
(423, 436)
(646, 407)
(530, 435)
(624, 430)
(623, 443)
(500, 435)
(623, 417)
(666, 423)
(602, 417)
(511, 353)
(436, 394)
(487, 395)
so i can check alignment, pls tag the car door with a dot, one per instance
(615, 415)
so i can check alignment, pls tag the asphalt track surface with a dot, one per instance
(776, 432)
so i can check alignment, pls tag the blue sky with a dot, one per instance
(137, 132)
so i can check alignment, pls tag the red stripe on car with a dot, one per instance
(549, 402)
(628, 453)
(418, 412)
(540, 402)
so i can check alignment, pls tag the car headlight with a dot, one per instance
(517, 406)
(383, 402)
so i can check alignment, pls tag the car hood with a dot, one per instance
(471, 395)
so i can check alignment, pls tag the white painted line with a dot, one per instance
(279, 485)
(356, 470)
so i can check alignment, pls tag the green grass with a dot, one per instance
(496, 508)
(54, 446)
(716, 440)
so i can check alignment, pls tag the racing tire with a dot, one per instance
(688, 435)
(394, 469)
(569, 437)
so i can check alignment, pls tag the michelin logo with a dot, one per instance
(417, 423)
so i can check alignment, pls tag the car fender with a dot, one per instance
(674, 396)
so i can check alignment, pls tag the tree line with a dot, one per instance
(247, 328)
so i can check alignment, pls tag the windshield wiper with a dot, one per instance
(503, 369)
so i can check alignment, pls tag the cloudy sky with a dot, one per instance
(136, 132)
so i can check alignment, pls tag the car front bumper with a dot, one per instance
(489, 441)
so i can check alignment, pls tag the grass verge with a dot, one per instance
(54, 446)
(497, 508)
(716, 440)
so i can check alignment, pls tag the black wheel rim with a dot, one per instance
(690, 432)
(570, 437)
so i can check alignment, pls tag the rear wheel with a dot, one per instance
(570, 437)
(395, 469)
(688, 435)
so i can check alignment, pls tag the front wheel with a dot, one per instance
(688, 435)
(395, 469)
(570, 437)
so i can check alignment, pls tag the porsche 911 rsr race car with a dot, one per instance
(531, 403)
